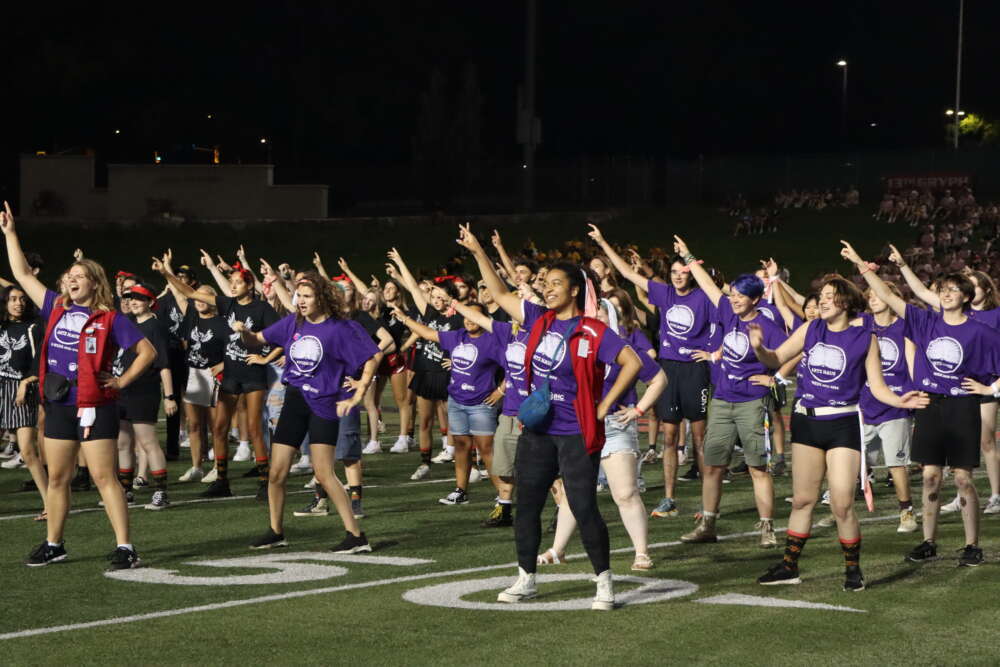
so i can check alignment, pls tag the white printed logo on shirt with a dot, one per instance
(306, 353)
(67, 331)
(889, 352)
(945, 354)
(680, 319)
(515, 359)
(464, 356)
(7, 347)
(735, 346)
(826, 363)
(546, 358)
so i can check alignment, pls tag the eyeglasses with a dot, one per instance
(949, 288)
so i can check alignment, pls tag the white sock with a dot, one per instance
(503, 502)
(244, 443)
(126, 546)
(55, 544)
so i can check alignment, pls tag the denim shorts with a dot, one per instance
(471, 419)
(618, 438)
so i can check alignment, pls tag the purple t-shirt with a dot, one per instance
(474, 363)
(318, 357)
(552, 361)
(685, 321)
(832, 369)
(515, 346)
(948, 353)
(64, 344)
(739, 362)
(892, 350)
(771, 312)
(638, 342)
(990, 318)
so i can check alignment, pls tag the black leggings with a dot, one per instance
(540, 459)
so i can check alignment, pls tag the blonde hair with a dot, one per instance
(103, 297)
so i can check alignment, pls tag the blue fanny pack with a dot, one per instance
(535, 409)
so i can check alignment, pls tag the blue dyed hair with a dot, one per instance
(748, 285)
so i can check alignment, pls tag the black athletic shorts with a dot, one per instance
(297, 420)
(827, 434)
(142, 407)
(983, 400)
(242, 384)
(432, 385)
(61, 423)
(946, 432)
(687, 392)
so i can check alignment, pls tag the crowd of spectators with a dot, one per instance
(819, 199)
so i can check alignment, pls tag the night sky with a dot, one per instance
(339, 82)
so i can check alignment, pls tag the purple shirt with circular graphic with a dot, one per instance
(64, 344)
(685, 321)
(990, 318)
(739, 362)
(638, 342)
(514, 339)
(832, 370)
(892, 350)
(318, 357)
(771, 312)
(948, 353)
(474, 364)
(552, 361)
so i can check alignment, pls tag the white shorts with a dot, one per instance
(619, 439)
(202, 387)
(895, 436)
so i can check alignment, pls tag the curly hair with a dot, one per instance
(328, 298)
(103, 298)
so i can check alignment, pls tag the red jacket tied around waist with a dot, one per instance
(95, 352)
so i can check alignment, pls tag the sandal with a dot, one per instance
(642, 562)
(44, 516)
(549, 557)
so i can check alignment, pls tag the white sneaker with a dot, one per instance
(992, 505)
(185, 442)
(475, 475)
(446, 455)
(159, 501)
(301, 467)
(605, 598)
(373, 447)
(907, 521)
(951, 507)
(211, 476)
(420, 472)
(13, 463)
(311, 484)
(7, 451)
(243, 453)
(192, 475)
(523, 589)
(401, 446)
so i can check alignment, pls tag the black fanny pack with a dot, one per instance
(56, 387)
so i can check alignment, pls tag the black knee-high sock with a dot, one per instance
(852, 551)
(794, 544)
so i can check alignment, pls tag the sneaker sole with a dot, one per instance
(854, 590)
(795, 580)
(131, 566)
(961, 564)
(273, 545)
(514, 599)
(451, 502)
(602, 606)
(327, 513)
(155, 507)
(48, 562)
(902, 529)
(921, 560)
(664, 515)
(364, 548)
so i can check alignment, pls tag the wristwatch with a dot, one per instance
(170, 397)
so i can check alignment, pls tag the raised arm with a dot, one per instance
(784, 353)
(241, 255)
(415, 327)
(701, 276)
(179, 298)
(919, 290)
(505, 261)
(785, 307)
(472, 314)
(179, 287)
(31, 285)
(220, 280)
(318, 263)
(871, 277)
(279, 287)
(510, 303)
(419, 300)
(623, 267)
(359, 284)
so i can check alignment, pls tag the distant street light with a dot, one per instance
(951, 112)
(843, 101)
(118, 131)
(263, 140)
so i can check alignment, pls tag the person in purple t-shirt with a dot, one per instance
(69, 427)
(472, 390)
(738, 407)
(838, 353)
(957, 358)
(983, 307)
(322, 350)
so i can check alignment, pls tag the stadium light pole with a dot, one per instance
(958, 71)
(843, 101)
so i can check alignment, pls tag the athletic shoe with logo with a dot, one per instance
(420, 472)
(301, 467)
(139, 482)
(159, 501)
(952, 507)
(123, 558)
(649, 456)
(779, 574)
(666, 508)
(352, 544)
(522, 589)
(211, 476)
(690, 476)
(446, 455)
(854, 581)
(923, 552)
(373, 447)
(907, 521)
(269, 540)
(45, 553)
(992, 505)
(500, 517)
(605, 598)
(217, 489)
(261, 491)
(401, 446)
(193, 474)
(456, 497)
(13, 463)
(971, 556)
(316, 507)
(767, 538)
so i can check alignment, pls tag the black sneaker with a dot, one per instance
(971, 556)
(45, 553)
(123, 558)
(456, 497)
(269, 540)
(779, 574)
(217, 489)
(925, 551)
(81, 482)
(262, 491)
(352, 545)
(690, 476)
(499, 517)
(854, 581)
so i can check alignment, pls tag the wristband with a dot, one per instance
(780, 379)
(866, 267)
(688, 258)
(639, 411)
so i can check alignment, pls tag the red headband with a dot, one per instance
(244, 273)
(341, 278)
(441, 279)
(143, 291)
(124, 274)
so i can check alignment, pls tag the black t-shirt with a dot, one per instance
(396, 329)
(256, 315)
(206, 338)
(19, 346)
(500, 315)
(149, 382)
(367, 322)
(170, 314)
(429, 354)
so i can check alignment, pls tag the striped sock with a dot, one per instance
(852, 551)
(794, 544)
(125, 477)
